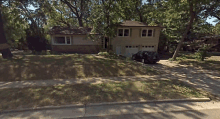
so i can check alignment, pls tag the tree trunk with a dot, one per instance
(4, 47)
(80, 21)
(192, 16)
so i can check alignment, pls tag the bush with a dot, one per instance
(110, 55)
(103, 53)
(201, 53)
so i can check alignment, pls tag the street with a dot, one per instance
(195, 110)
(190, 114)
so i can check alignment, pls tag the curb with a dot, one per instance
(151, 101)
(43, 108)
(108, 103)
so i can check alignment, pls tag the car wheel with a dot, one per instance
(154, 62)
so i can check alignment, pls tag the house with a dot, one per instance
(73, 40)
(133, 36)
(210, 40)
(214, 41)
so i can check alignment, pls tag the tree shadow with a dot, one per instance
(86, 93)
(210, 65)
(46, 67)
(202, 75)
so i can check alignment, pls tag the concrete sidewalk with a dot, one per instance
(94, 80)
(200, 78)
(167, 110)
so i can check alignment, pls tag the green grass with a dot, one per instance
(207, 64)
(67, 66)
(95, 93)
(211, 62)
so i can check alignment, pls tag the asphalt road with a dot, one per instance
(184, 110)
(201, 114)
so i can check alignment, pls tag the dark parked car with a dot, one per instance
(146, 57)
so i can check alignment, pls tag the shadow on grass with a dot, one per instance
(208, 64)
(107, 92)
(42, 67)
(94, 93)
(201, 75)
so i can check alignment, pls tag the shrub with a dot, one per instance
(110, 55)
(103, 53)
(201, 53)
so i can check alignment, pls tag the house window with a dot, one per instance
(123, 32)
(64, 40)
(59, 40)
(126, 32)
(147, 33)
(68, 40)
(144, 33)
(150, 33)
(120, 32)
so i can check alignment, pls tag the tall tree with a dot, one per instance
(189, 26)
(80, 8)
(195, 8)
(4, 47)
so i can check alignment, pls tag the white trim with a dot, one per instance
(123, 32)
(65, 40)
(147, 33)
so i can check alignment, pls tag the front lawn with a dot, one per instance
(42, 67)
(95, 93)
(210, 63)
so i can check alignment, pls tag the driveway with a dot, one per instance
(208, 80)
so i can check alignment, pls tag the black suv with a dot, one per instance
(146, 57)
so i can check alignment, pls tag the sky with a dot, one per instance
(210, 20)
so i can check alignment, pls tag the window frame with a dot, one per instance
(65, 40)
(123, 32)
(147, 33)
(142, 32)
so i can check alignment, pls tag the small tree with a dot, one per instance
(202, 53)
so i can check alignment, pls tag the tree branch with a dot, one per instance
(72, 8)
(216, 17)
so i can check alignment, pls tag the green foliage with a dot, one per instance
(14, 25)
(111, 55)
(201, 53)
(105, 15)
(103, 53)
(216, 29)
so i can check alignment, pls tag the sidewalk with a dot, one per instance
(166, 110)
(197, 77)
(94, 80)
(207, 82)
